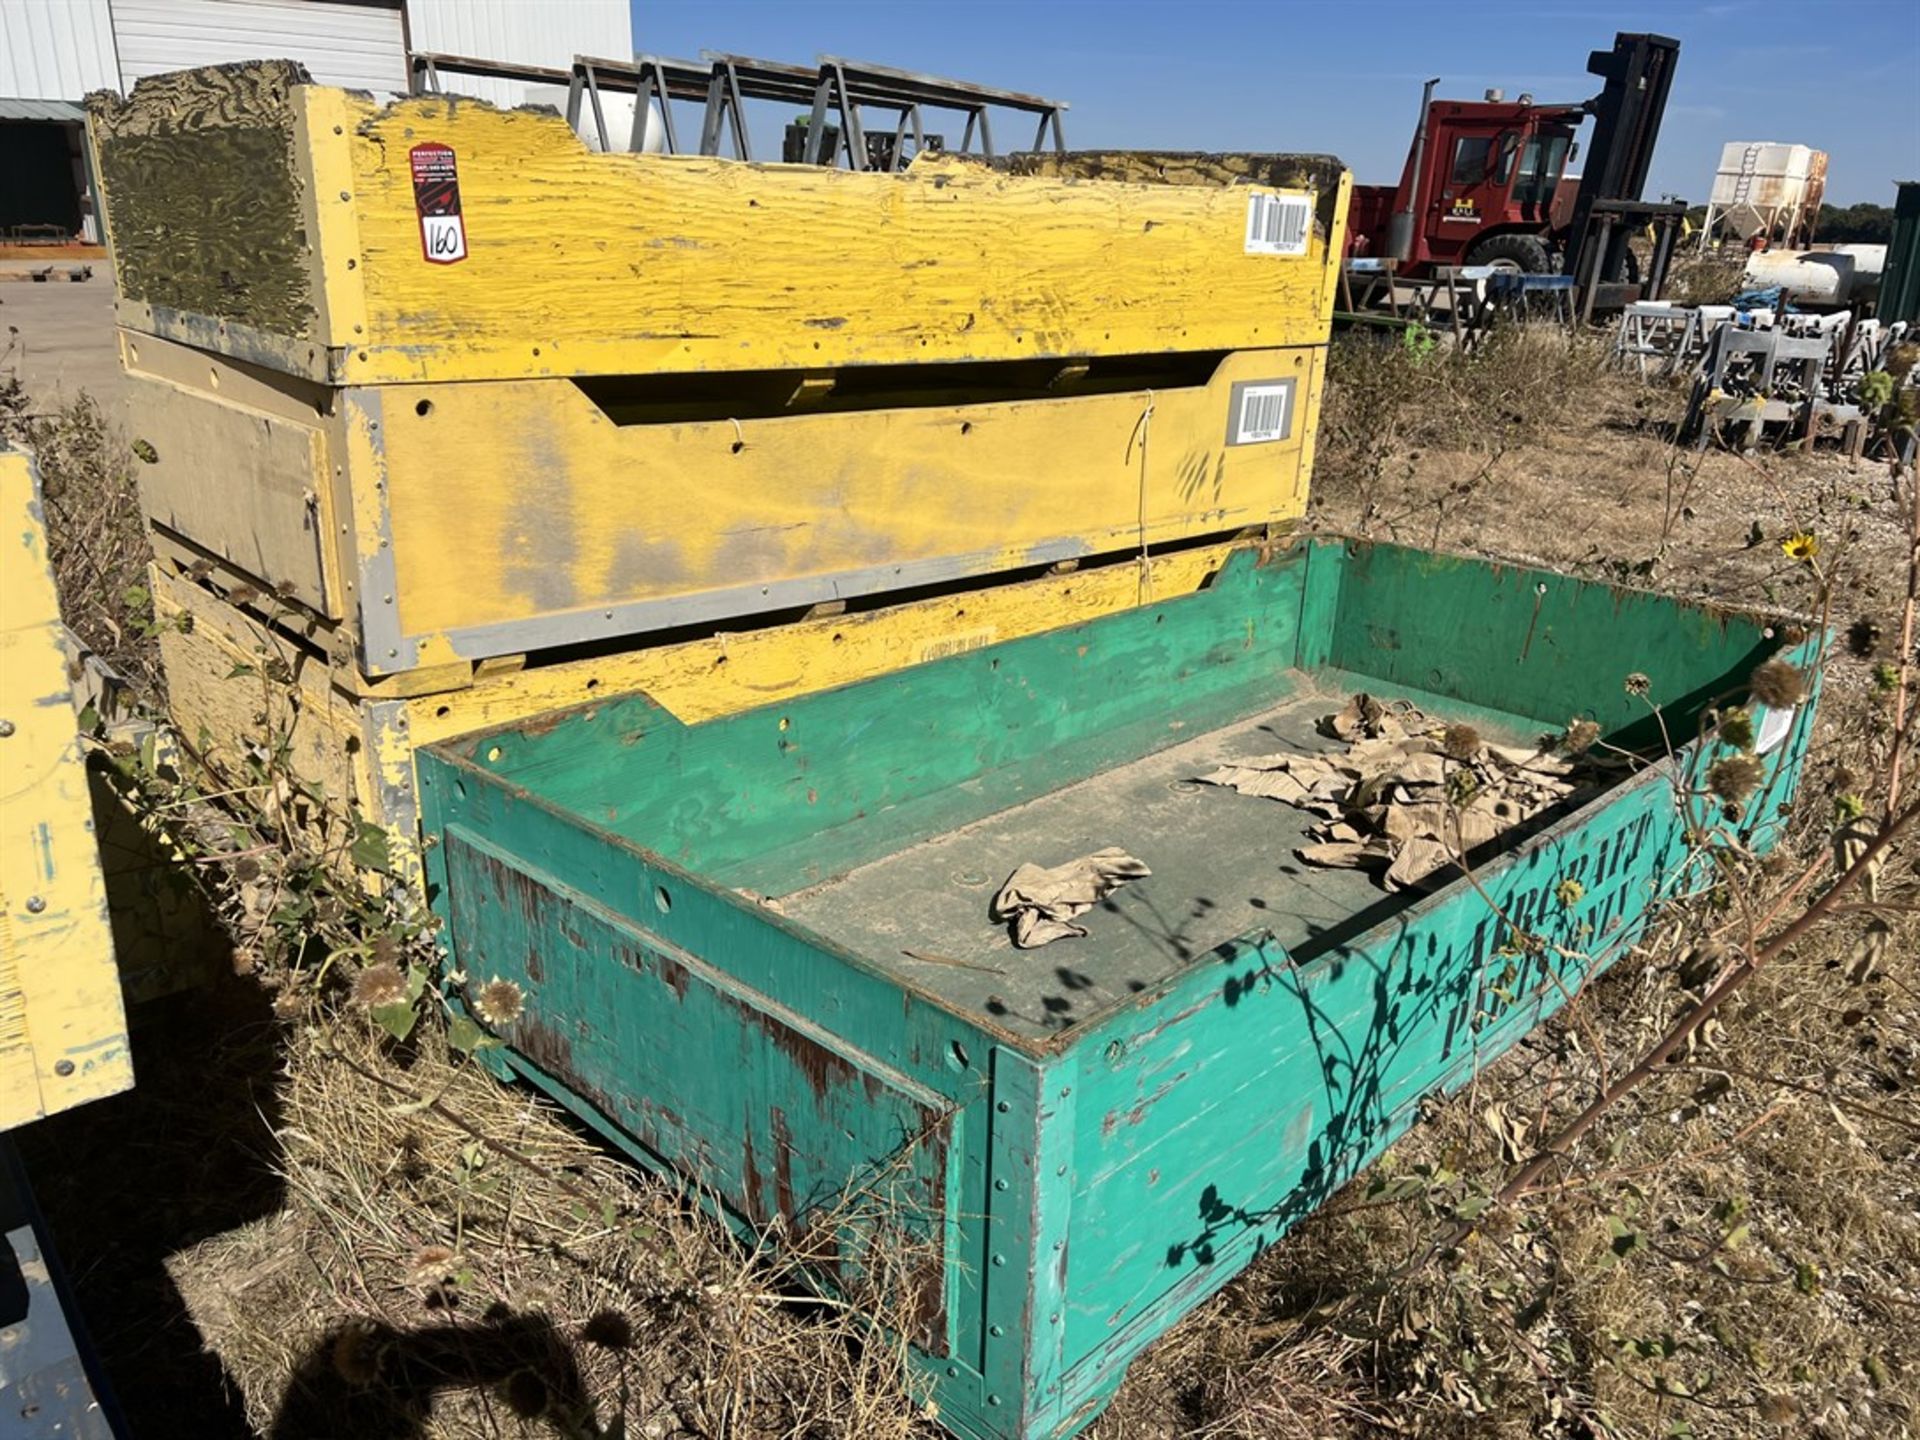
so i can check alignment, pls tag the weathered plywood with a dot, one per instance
(63, 1033)
(255, 214)
(235, 460)
(236, 691)
(563, 521)
(205, 214)
(582, 263)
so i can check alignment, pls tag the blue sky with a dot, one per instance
(1840, 75)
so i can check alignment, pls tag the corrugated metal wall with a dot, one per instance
(55, 49)
(514, 30)
(61, 49)
(361, 47)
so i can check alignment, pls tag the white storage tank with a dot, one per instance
(1809, 277)
(1767, 186)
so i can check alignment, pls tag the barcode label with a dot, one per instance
(1262, 410)
(1278, 224)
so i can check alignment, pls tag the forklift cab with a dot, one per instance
(1496, 166)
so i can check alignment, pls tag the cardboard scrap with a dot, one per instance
(1401, 801)
(1040, 904)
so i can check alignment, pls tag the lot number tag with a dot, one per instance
(436, 195)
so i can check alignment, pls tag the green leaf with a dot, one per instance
(1806, 1278)
(465, 1036)
(370, 849)
(397, 1019)
(241, 671)
(416, 982)
(1473, 1207)
(135, 596)
(1737, 1236)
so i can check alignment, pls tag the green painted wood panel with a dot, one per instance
(785, 1120)
(1218, 1116)
(777, 798)
(1534, 643)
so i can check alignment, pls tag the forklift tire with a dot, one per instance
(1526, 254)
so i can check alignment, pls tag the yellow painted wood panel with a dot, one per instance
(63, 1034)
(725, 674)
(580, 263)
(557, 511)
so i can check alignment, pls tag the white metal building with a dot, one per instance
(54, 52)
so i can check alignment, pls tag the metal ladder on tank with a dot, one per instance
(836, 89)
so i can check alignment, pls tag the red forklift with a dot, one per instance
(1485, 183)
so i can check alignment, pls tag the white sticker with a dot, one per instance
(1262, 412)
(1775, 726)
(1278, 224)
(445, 238)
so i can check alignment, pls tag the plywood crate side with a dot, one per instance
(571, 262)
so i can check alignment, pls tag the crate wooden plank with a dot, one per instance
(576, 263)
(63, 1032)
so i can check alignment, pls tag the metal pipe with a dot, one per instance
(1400, 227)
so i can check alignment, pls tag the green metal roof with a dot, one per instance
(64, 111)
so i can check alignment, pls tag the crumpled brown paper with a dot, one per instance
(1396, 802)
(1040, 904)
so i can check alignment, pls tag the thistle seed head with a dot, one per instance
(357, 1353)
(1581, 736)
(1778, 686)
(499, 1002)
(379, 985)
(1735, 778)
(1736, 729)
(1461, 742)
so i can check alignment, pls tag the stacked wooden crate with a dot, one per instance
(447, 421)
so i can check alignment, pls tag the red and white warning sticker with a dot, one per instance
(436, 195)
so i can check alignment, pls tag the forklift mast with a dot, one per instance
(1627, 114)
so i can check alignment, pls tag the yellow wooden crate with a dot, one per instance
(443, 525)
(657, 392)
(240, 684)
(303, 228)
(63, 1033)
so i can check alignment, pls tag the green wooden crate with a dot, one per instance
(757, 952)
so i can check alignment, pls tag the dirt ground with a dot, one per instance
(273, 1235)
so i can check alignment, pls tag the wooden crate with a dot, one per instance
(63, 1031)
(659, 391)
(281, 222)
(249, 677)
(756, 951)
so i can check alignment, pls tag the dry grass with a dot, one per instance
(416, 1279)
(1737, 1252)
(97, 539)
(359, 1266)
